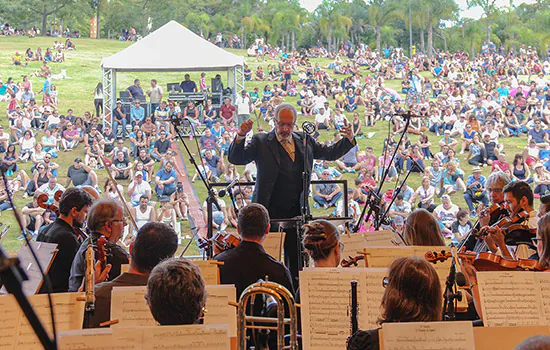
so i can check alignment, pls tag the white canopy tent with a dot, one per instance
(171, 48)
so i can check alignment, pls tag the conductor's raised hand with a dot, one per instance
(346, 130)
(246, 126)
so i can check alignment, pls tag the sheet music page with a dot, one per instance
(457, 335)
(209, 271)
(204, 337)
(9, 321)
(384, 256)
(324, 294)
(382, 238)
(45, 253)
(510, 298)
(85, 339)
(129, 307)
(505, 338)
(370, 293)
(69, 315)
(353, 243)
(274, 243)
(544, 285)
(124, 268)
(218, 311)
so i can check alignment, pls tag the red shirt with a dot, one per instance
(227, 111)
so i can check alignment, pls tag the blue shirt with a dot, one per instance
(163, 175)
(471, 179)
(137, 113)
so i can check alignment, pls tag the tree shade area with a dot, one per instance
(435, 24)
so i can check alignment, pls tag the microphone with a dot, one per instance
(308, 127)
(415, 163)
(226, 189)
(410, 114)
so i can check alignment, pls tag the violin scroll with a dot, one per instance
(352, 260)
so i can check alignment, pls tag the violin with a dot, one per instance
(486, 261)
(102, 250)
(504, 222)
(352, 260)
(221, 242)
(43, 198)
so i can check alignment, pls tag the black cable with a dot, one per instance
(45, 278)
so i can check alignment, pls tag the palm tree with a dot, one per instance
(489, 9)
(330, 19)
(380, 13)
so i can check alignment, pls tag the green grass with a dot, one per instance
(84, 72)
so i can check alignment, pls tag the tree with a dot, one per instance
(489, 8)
(381, 12)
(329, 17)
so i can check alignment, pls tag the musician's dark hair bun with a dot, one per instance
(320, 238)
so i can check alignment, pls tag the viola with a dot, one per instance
(352, 260)
(505, 222)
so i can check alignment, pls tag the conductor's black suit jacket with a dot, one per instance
(264, 149)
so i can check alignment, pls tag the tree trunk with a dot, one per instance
(44, 20)
(378, 38)
(329, 37)
(243, 39)
(430, 40)
(98, 27)
(288, 41)
(422, 43)
(488, 30)
(293, 40)
(472, 51)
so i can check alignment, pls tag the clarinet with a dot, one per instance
(354, 309)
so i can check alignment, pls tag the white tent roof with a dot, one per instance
(172, 48)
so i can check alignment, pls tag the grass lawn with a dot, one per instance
(84, 72)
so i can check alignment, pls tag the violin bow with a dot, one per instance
(130, 236)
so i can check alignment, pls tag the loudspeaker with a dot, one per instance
(216, 85)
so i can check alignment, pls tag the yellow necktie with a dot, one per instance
(288, 148)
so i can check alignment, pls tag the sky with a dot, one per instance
(475, 12)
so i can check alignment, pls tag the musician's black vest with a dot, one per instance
(285, 198)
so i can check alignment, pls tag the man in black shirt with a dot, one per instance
(154, 242)
(121, 169)
(106, 218)
(188, 85)
(248, 262)
(148, 162)
(161, 147)
(73, 209)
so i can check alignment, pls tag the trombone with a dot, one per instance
(281, 295)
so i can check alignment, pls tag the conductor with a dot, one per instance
(279, 157)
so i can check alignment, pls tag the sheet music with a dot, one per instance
(510, 298)
(353, 243)
(382, 238)
(124, 268)
(428, 335)
(209, 271)
(324, 297)
(204, 337)
(69, 314)
(544, 285)
(9, 321)
(129, 307)
(45, 253)
(85, 339)
(384, 256)
(218, 309)
(370, 296)
(505, 338)
(274, 243)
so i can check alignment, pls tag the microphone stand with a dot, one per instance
(306, 215)
(450, 295)
(12, 276)
(375, 195)
(211, 199)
